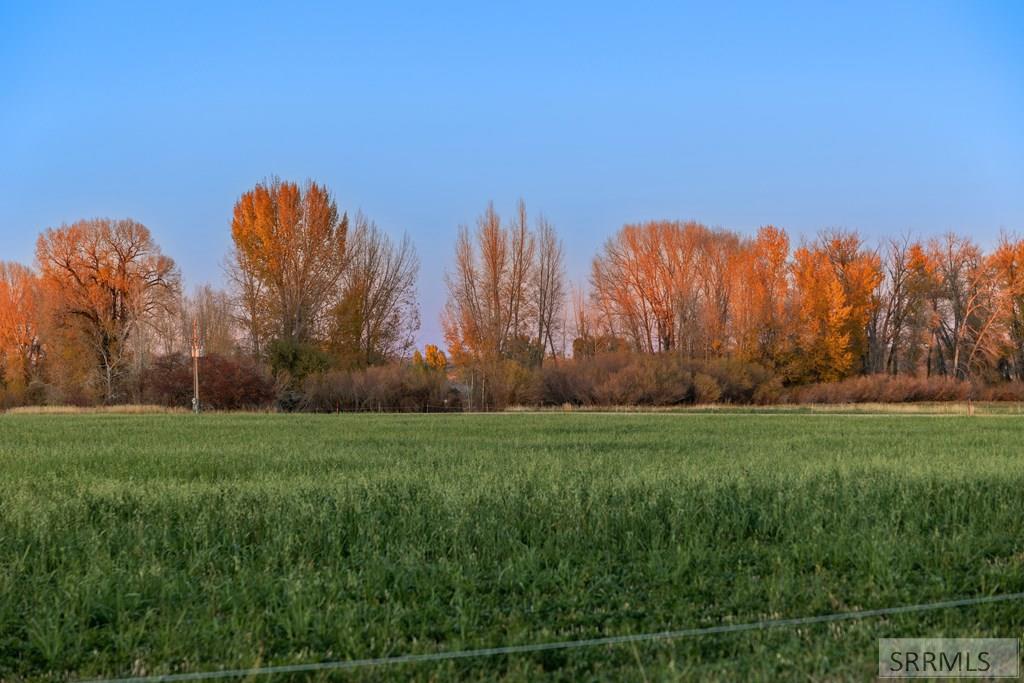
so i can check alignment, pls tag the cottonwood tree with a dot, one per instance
(821, 331)
(102, 280)
(490, 311)
(21, 347)
(376, 317)
(1008, 267)
(964, 302)
(548, 287)
(707, 293)
(635, 282)
(505, 296)
(859, 271)
(897, 323)
(761, 294)
(289, 259)
(670, 286)
(717, 260)
(434, 357)
(249, 294)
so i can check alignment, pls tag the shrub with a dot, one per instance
(666, 379)
(1005, 391)
(394, 387)
(884, 389)
(768, 392)
(705, 388)
(224, 383)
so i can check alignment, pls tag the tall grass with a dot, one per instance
(123, 409)
(166, 543)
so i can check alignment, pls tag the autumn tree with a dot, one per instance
(288, 260)
(376, 316)
(964, 302)
(520, 274)
(669, 286)
(1008, 268)
(504, 291)
(591, 333)
(505, 297)
(859, 271)
(548, 287)
(822, 324)
(165, 332)
(21, 347)
(717, 261)
(640, 281)
(432, 358)
(898, 322)
(761, 292)
(102, 280)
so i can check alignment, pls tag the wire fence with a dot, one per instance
(566, 644)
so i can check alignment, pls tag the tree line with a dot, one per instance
(319, 312)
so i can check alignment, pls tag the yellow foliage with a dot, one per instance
(435, 357)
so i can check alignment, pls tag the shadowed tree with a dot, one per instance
(376, 318)
(548, 287)
(213, 312)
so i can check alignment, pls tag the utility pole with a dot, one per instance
(195, 366)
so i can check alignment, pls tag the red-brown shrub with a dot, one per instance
(224, 383)
(883, 389)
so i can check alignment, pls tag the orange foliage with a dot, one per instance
(759, 304)
(20, 337)
(102, 279)
(822, 319)
(488, 315)
(859, 272)
(435, 357)
(291, 242)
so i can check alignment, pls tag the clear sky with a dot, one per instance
(883, 118)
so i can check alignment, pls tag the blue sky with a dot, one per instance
(884, 118)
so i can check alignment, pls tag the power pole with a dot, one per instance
(195, 366)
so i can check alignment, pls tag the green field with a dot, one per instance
(152, 544)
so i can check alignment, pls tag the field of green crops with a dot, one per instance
(154, 544)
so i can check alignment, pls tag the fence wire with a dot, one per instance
(566, 644)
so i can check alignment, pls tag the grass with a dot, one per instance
(910, 408)
(120, 409)
(149, 544)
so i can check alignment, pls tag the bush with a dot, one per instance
(224, 383)
(666, 379)
(705, 388)
(395, 387)
(884, 389)
(768, 393)
(1004, 391)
